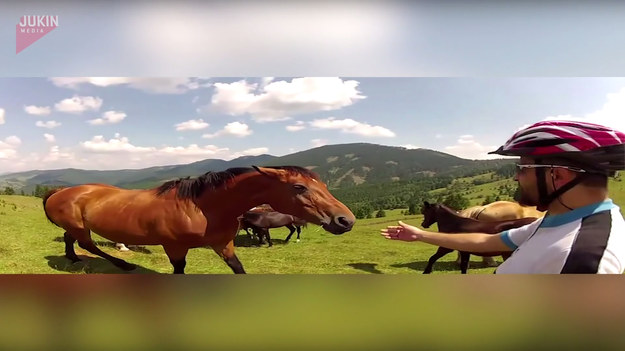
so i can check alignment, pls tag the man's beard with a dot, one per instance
(526, 200)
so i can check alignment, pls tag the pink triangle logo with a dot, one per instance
(32, 28)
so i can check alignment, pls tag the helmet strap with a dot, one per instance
(544, 199)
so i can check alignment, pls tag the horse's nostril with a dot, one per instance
(344, 222)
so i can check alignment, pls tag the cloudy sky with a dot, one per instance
(118, 122)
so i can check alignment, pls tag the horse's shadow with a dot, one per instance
(102, 243)
(88, 264)
(249, 241)
(367, 267)
(438, 266)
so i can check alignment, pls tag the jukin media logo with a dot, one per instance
(32, 28)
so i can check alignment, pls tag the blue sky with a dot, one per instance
(121, 122)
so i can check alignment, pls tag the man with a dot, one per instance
(564, 168)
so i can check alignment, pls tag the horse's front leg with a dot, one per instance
(227, 253)
(464, 261)
(442, 251)
(177, 257)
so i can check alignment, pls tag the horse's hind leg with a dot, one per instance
(177, 257)
(299, 230)
(439, 253)
(85, 242)
(69, 248)
(268, 237)
(292, 229)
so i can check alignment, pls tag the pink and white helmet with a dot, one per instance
(591, 144)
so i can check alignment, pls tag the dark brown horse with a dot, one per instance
(261, 222)
(449, 221)
(187, 213)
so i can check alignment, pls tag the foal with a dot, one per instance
(261, 222)
(449, 221)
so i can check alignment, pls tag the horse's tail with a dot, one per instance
(45, 199)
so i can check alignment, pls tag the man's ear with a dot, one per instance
(561, 176)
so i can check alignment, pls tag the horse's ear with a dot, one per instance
(426, 204)
(259, 170)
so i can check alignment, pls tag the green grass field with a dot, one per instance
(31, 244)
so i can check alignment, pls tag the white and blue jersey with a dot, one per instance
(589, 239)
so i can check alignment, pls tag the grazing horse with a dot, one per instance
(449, 221)
(499, 211)
(187, 213)
(261, 222)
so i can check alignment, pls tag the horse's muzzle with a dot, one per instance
(425, 225)
(339, 225)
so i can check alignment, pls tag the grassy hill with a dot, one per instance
(340, 166)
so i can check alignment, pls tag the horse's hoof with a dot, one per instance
(128, 267)
(121, 247)
(297, 241)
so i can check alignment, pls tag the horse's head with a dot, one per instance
(429, 214)
(300, 192)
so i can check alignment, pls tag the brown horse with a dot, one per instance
(261, 222)
(187, 213)
(449, 221)
(499, 211)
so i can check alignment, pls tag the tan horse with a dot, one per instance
(188, 213)
(499, 211)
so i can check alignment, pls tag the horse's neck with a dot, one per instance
(450, 222)
(245, 191)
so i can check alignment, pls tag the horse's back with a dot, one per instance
(506, 210)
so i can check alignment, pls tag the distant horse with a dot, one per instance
(449, 221)
(261, 222)
(499, 211)
(187, 213)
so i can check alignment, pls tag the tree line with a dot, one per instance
(39, 191)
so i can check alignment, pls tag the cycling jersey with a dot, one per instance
(589, 239)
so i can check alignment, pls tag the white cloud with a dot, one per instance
(193, 150)
(8, 147)
(78, 104)
(251, 152)
(352, 126)
(55, 154)
(410, 146)
(467, 147)
(37, 111)
(1, 116)
(234, 128)
(116, 144)
(49, 137)
(299, 125)
(438, 136)
(47, 124)
(278, 100)
(610, 115)
(318, 142)
(108, 117)
(150, 85)
(194, 124)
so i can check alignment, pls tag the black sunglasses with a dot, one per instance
(521, 167)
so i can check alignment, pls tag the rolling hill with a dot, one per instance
(340, 166)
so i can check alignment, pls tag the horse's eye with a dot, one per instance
(300, 188)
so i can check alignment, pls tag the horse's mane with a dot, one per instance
(298, 171)
(191, 188)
